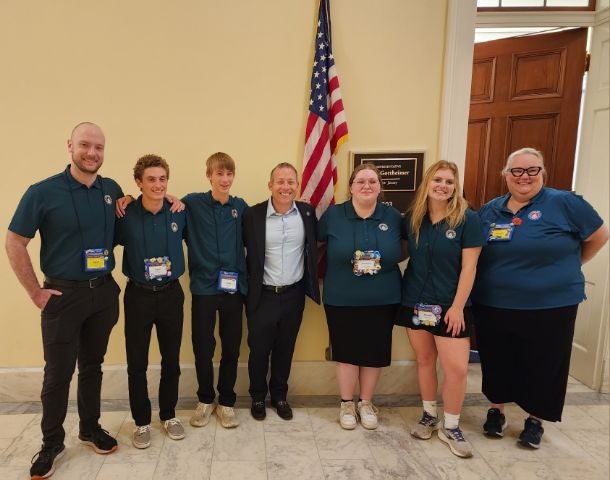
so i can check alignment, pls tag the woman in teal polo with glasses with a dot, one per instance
(528, 287)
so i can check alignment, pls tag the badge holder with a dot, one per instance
(227, 281)
(428, 315)
(157, 268)
(501, 232)
(95, 259)
(367, 262)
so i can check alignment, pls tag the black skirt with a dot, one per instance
(361, 335)
(525, 356)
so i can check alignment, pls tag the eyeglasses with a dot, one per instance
(519, 172)
(362, 183)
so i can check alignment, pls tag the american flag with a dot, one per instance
(326, 124)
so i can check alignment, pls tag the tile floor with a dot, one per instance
(313, 446)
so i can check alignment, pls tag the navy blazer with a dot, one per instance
(254, 224)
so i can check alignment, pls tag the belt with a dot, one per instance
(282, 289)
(91, 283)
(153, 288)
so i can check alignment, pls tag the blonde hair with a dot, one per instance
(219, 161)
(456, 207)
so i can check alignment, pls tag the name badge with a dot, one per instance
(227, 281)
(429, 315)
(95, 259)
(157, 268)
(367, 262)
(501, 232)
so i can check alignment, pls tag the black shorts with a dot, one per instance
(405, 319)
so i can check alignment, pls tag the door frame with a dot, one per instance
(462, 19)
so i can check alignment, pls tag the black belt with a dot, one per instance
(153, 288)
(282, 289)
(91, 283)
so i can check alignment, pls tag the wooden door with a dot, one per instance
(525, 92)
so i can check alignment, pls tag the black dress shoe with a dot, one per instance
(258, 410)
(283, 409)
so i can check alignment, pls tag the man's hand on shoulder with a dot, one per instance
(121, 205)
(177, 204)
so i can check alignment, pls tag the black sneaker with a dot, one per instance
(100, 440)
(43, 463)
(282, 408)
(258, 410)
(532, 433)
(495, 424)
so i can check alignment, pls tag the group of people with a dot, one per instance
(525, 290)
(512, 271)
(82, 216)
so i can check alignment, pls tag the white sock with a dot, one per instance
(430, 407)
(452, 421)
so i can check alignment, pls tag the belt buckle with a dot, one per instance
(277, 289)
(91, 280)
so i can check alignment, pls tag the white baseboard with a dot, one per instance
(306, 378)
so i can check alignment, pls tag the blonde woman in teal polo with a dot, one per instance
(444, 240)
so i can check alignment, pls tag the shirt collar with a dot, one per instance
(210, 200)
(351, 213)
(74, 184)
(271, 211)
(146, 212)
(535, 199)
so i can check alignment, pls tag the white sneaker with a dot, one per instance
(454, 438)
(227, 416)
(347, 416)
(424, 428)
(174, 429)
(368, 414)
(141, 437)
(201, 415)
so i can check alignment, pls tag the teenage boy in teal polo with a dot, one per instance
(217, 268)
(153, 261)
(74, 213)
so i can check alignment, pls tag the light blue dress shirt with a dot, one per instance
(284, 247)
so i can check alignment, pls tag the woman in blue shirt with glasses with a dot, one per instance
(528, 287)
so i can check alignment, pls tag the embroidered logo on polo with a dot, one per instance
(174, 227)
(535, 215)
(383, 227)
(450, 234)
(234, 213)
(108, 199)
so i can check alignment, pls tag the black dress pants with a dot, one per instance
(143, 309)
(272, 335)
(230, 318)
(75, 327)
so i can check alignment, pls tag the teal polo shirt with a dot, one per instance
(148, 235)
(539, 267)
(345, 232)
(435, 261)
(71, 218)
(214, 240)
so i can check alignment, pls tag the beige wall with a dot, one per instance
(187, 78)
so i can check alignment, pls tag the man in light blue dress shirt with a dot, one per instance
(280, 239)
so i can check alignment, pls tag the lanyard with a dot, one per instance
(78, 224)
(214, 208)
(148, 254)
(430, 255)
(354, 230)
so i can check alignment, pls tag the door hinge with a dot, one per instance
(587, 62)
